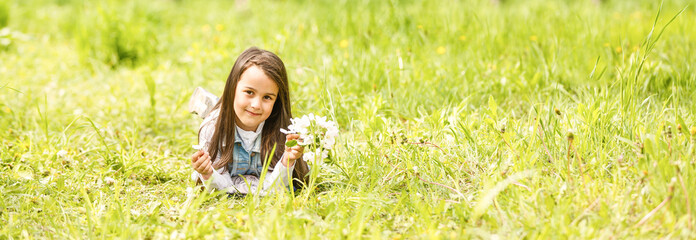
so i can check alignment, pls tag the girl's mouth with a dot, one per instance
(253, 114)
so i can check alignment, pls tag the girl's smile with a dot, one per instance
(253, 114)
(254, 98)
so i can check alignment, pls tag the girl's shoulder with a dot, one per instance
(211, 118)
(207, 127)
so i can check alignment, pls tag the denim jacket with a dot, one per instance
(246, 163)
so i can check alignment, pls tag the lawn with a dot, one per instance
(503, 119)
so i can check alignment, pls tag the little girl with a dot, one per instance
(240, 131)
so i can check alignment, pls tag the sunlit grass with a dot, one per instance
(523, 119)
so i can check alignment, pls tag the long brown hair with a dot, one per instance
(280, 116)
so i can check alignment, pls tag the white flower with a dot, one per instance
(326, 124)
(62, 153)
(317, 135)
(315, 155)
(328, 143)
(321, 121)
(109, 180)
(135, 212)
(299, 125)
(306, 140)
(331, 129)
(285, 131)
(308, 157)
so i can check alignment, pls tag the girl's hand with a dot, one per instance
(200, 161)
(292, 153)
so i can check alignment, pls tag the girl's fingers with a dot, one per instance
(291, 137)
(207, 167)
(196, 155)
(298, 148)
(203, 157)
(196, 164)
(202, 165)
(199, 164)
(208, 161)
(294, 154)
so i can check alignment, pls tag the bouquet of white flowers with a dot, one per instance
(317, 135)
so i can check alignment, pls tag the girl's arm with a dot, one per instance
(280, 176)
(282, 172)
(219, 179)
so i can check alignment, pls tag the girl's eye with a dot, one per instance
(248, 92)
(268, 97)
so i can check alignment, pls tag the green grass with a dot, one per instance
(459, 119)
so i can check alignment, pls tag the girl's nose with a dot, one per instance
(256, 103)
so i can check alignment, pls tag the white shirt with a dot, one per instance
(249, 137)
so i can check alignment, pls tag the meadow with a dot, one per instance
(501, 119)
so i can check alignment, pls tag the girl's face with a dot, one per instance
(254, 98)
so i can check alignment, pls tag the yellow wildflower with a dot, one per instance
(205, 28)
(441, 50)
(219, 27)
(462, 37)
(343, 43)
(617, 49)
(533, 38)
(617, 15)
